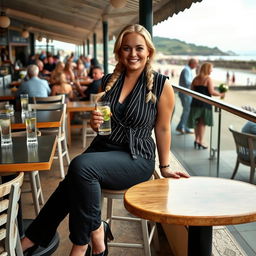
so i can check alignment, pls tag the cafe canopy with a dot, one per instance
(75, 21)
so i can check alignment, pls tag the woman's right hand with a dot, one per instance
(222, 95)
(96, 120)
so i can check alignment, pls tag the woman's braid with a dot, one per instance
(150, 80)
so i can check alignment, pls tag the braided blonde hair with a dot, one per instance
(120, 67)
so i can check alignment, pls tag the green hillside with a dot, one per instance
(169, 46)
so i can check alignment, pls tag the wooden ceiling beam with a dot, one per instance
(23, 16)
(55, 36)
(121, 14)
(62, 10)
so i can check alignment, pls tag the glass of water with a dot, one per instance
(104, 108)
(9, 109)
(24, 103)
(30, 121)
(5, 129)
(7, 154)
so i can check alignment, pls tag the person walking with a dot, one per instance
(200, 112)
(185, 81)
(141, 100)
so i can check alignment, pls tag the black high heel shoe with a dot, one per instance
(88, 251)
(201, 146)
(30, 250)
(107, 237)
(195, 144)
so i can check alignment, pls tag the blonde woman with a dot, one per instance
(55, 75)
(62, 87)
(141, 100)
(200, 112)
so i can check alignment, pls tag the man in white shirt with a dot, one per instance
(34, 87)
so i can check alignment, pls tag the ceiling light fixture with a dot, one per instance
(40, 38)
(4, 20)
(118, 3)
(25, 33)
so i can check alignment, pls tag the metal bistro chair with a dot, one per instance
(246, 151)
(60, 132)
(9, 233)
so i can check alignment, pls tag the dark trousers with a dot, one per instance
(79, 194)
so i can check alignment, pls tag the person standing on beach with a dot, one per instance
(233, 79)
(227, 78)
(185, 80)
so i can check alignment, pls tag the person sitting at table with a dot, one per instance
(68, 71)
(49, 66)
(41, 75)
(34, 87)
(249, 127)
(94, 86)
(55, 75)
(40, 65)
(62, 87)
(80, 71)
(71, 79)
(94, 62)
(141, 100)
(87, 62)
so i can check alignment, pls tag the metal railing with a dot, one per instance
(220, 105)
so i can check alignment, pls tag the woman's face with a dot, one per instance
(133, 52)
(60, 67)
(210, 70)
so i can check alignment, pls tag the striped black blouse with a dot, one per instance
(134, 128)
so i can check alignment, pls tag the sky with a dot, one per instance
(226, 24)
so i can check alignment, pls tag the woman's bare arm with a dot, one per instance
(163, 131)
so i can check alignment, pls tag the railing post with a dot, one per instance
(218, 147)
(212, 149)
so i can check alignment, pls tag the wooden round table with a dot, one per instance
(197, 202)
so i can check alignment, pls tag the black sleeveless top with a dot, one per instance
(133, 121)
(198, 103)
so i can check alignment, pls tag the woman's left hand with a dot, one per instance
(168, 173)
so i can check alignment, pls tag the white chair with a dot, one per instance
(2, 106)
(50, 99)
(60, 132)
(34, 180)
(149, 229)
(94, 97)
(9, 233)
(87, 131)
